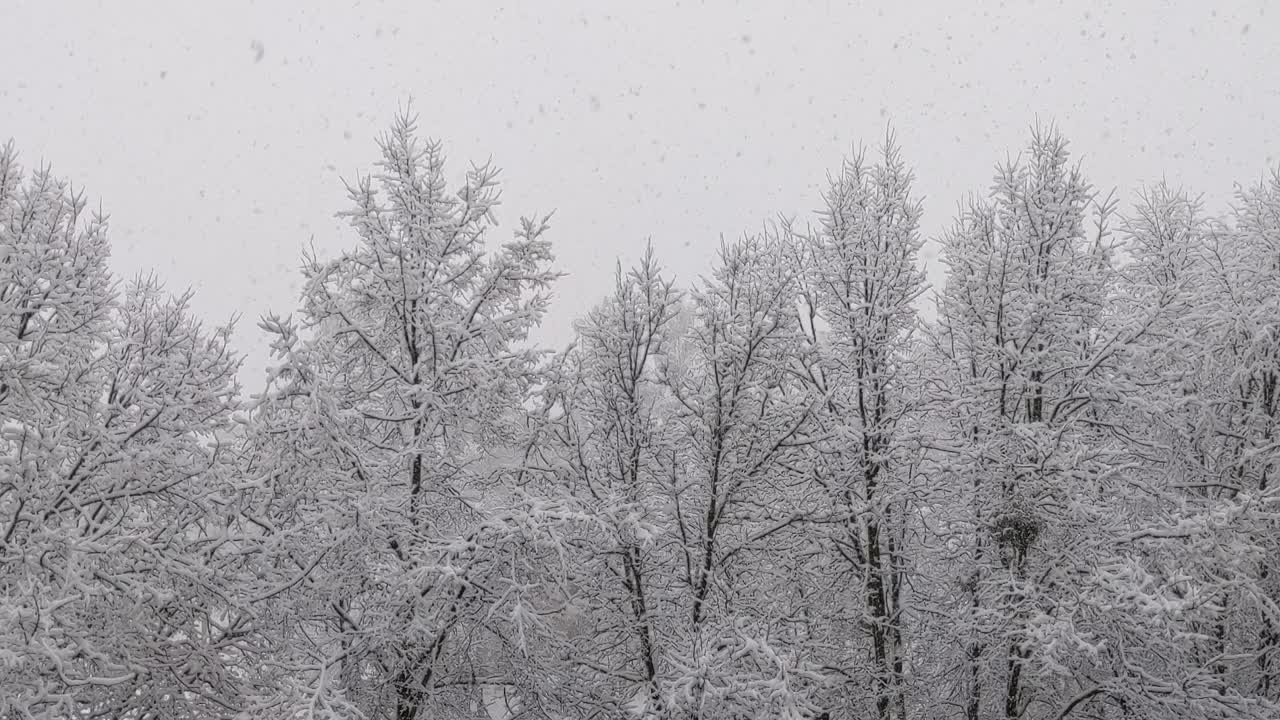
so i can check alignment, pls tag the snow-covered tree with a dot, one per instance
(1025, 351)
(1094, 391)
(609, 453)
(1199, 424)
(380, 445)
(113, 530)
(676, 427)
(861, 284)
(743, 495)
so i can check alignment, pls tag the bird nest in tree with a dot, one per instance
(1016, 528)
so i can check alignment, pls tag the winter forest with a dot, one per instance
(803, 485)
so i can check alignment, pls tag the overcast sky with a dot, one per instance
(215, 134)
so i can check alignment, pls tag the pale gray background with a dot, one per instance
(215, 133)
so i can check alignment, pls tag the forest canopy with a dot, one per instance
(804, 486)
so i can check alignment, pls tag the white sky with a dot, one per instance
(215, 134)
